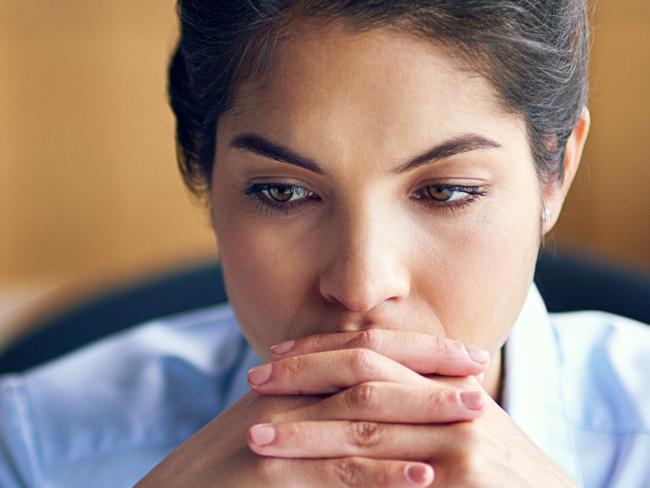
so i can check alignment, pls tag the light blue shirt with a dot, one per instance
(577, 384)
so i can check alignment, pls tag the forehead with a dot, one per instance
(339, 82)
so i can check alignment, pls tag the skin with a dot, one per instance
(360, 104)
(388, 295)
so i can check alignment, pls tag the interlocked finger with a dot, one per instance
(348, 472)
(329, 372)
(334, 439)
(378, 401)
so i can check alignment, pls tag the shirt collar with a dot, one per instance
(532, 392)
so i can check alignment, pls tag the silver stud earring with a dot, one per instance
(545, 213)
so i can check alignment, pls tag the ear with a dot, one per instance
(555, 192)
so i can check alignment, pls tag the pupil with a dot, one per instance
(281, 193)
(439, 193)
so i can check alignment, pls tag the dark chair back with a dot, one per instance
(168, 293)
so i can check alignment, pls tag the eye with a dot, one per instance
(449, 196)
(279, 196)
(283, 197)
(442, 193)
(282, 193)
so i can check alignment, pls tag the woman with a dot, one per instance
(380, 177)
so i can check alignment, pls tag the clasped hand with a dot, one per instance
(371, 408)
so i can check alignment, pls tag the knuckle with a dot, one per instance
(370, 339)
(363, 397)
(451, 399)
(316, 342)
(455, 347)
(350, 472)
(365, 363)
(440, 399)
(292, 366)
(443, 403)
(448, 346)
(364, 435)
(437, 343)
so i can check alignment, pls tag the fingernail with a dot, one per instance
(283, 347)
(262, 434)
(419, 474)
(259, 375)
(472, 400)
(480, 356)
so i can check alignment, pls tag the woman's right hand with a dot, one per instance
(336, 388)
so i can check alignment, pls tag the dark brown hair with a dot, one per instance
(535, 53)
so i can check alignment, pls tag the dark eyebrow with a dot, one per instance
(262, 146)
(456, 145)
(459, 144)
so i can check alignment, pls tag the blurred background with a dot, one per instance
(90, 193)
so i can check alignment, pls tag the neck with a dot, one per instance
(494, 378)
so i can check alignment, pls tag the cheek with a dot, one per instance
(264, 279)
(482, 271)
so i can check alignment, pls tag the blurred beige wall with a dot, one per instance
(88, 181)
(608, 209)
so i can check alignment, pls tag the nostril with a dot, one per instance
(361, 289)
(346, 303)
(359, 306)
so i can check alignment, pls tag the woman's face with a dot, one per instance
(323, 225)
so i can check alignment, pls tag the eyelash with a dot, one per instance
(269, 206)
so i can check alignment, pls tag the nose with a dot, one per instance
(365, 265)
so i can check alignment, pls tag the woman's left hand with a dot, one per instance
(489, 451)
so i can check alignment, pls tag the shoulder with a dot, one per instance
(130, 397)
(605, 362)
